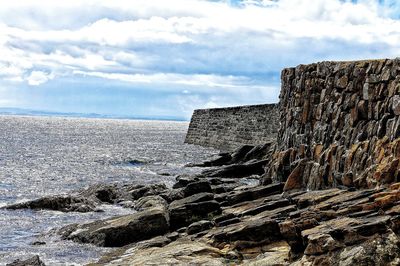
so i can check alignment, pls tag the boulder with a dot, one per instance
(57, 203)
(102, 192)
(120, 231)
(196, 187)
(34, 261)
(150, 202)
(183, 180)
(149, 190)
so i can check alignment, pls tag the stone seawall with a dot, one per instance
(340, 125)
(229, 128)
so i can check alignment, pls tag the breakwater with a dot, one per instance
(232, 127)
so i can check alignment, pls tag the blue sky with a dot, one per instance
(159, 58)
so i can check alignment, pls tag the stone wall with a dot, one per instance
(340, 125)
(229, 128)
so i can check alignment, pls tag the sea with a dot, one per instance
(41, 156)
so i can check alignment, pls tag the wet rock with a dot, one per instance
(38, 243)
(196, 187)
(149, 190)
(123, 230)
(150, 202)
(57, 203)
(223, 159)
(183, 180)
(171, 195)
(101, 192)
(34, 261)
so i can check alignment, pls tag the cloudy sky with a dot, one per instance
(164, 58)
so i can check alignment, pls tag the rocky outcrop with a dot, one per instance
(215, 220)
(329, 192)
(340, 125)
(57, 203)
(325, 227)
(90, 199)
(233, 127)
(192, 209)
(120, 231)
(34, 261)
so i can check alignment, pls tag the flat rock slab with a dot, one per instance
(181, 252)
(120, 231)
(57, 203)
(192, 209)
(34, 261)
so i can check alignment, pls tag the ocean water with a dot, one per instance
(42, 156)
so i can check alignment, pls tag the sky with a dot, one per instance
(165, 58)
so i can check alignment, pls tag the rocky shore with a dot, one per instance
(327, 191)
(213, 219)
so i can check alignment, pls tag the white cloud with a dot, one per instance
(198, 44)
(189, 80)
(38, 77)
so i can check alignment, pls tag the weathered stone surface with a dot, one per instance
(396, 104)
(249, 193)
(196, 187)
(295, 179)
(57, 203)
(181, 252)
(238, 170)
(232, 127)
(341, 117)
(327, 227)
(258, 230)
(199, 226)
(150, 202)
(34, 261)
(330, 198)
(183, 180)
(192, 209)
(89, 199)
(137, 192)
(102, 192)
(272, 254)
(123, 230)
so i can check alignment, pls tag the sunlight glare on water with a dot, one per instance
(42, 156)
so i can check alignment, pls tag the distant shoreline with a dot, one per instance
(38, 113)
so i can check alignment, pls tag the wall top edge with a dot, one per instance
(344, 62)
(238, 107)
